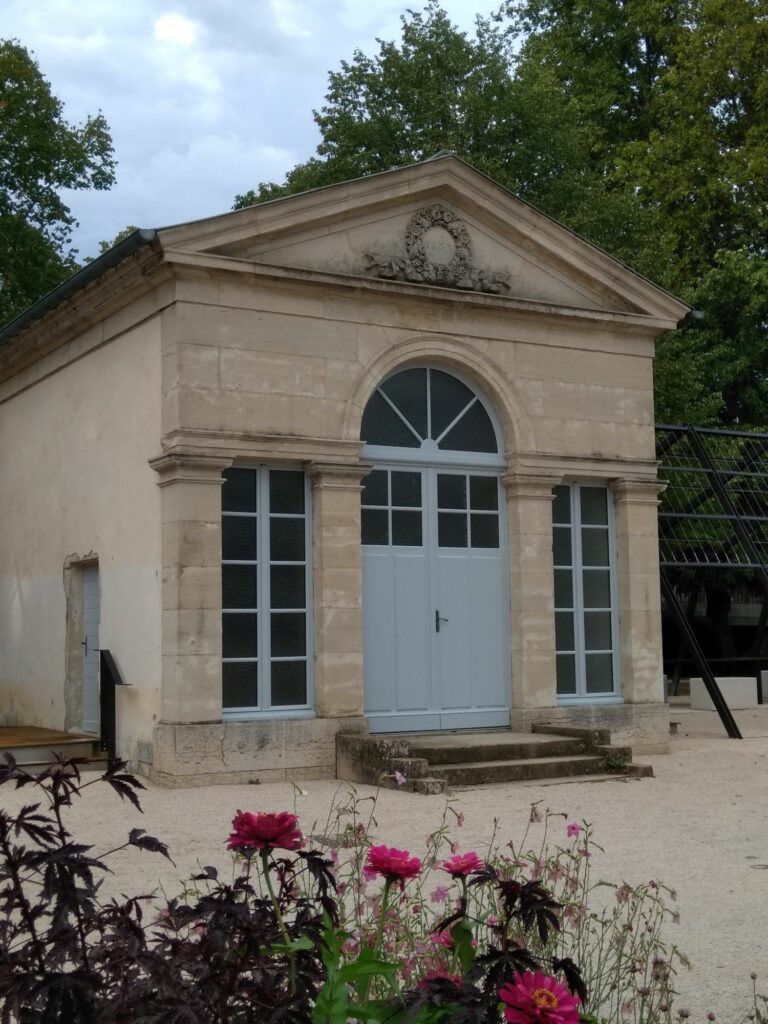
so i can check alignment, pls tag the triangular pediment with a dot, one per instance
(439, 222)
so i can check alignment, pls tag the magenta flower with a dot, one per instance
(573, 830)
(439, 894)
(443, 938)
(536, 998)
(400, 779)
(265, 831)
(393, 865)
(462, 864)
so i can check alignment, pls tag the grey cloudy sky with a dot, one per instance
(204, 98)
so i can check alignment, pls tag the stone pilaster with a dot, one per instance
(338, 588)
(191, 586)
(531, 583)
(639, 594)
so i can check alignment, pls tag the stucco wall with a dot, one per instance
(74, 445)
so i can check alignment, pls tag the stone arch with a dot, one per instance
(449, 354)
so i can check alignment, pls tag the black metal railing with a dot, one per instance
(110, 679)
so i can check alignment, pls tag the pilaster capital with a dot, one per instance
(628, 491)
(530, 486)
(339, 476)
(177, 467)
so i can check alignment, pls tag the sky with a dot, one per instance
(204, 98)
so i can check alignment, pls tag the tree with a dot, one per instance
(40, 154)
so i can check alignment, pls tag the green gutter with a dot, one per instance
(90, 272)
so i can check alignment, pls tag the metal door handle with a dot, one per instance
(438, 620)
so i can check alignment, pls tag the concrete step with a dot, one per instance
(45, 753)
(93, 764)
(477, 773)
(497, 748)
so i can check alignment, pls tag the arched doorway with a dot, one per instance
(435, 598)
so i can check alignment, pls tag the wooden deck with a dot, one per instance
(32, 736)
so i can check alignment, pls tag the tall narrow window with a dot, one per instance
(265, 591)
(585, 615)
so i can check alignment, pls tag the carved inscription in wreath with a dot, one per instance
(438, 251)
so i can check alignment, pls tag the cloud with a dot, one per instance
(175, 29)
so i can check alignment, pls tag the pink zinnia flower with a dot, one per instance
(536, 998)
(573, 830)
(462, 864)
(443, 938)
(392, 864)
(265, 831)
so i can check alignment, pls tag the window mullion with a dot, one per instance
(578, 592)
(262, 583)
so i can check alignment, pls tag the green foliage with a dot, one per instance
(105, 246)
(40, 154)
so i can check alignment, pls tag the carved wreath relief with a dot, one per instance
(425, 260)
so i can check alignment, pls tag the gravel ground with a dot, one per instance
(699, 825)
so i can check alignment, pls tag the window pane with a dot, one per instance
(238, 538)
(594, 547)
(289, 683)
(287, 586)
(485, 531)
(286, 540)
(564, 631)
(238, 494)
(563, 588)
(289, 634)
(594, 506)
(451, 491)
(483, 493)
(406, 528)
(599, 673)
(382, 425)
(408, 390)
(240, 638)
(406, 489)
(597, 631)
(375, 526)
(238, 586)
(375, 488)
(561, 546)
(286, 491)
(597, 588)
(561, 506)
(240, 684)
(448, 397)
(452, 530)
(473, 433)
(566, 673)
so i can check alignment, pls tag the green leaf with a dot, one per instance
(462, 936)
(295, 946)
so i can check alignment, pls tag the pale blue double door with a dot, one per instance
(435, 599)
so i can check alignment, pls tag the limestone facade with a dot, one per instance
(256, 339)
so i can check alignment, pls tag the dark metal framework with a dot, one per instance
(713, 516)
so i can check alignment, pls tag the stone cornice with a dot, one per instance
(577, 466)
(189, 469)
(338, 475)
(637, 492)
(191, 442)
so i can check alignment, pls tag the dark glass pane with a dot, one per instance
(451, 491)
(566, 674)
(561, 506)
(286, 491)
(406, 528)
(448, 397)
(594, 506)
(408, 390)
(287, 586)
(451, 530)
(382, 425)
(597, 631)
(485, 531)
(406, 489)
(564, 632)
(375, 488)
(289, 683)
(375, 526)
(597, 588)
(289, 634)
(483, 493)
(238, 494)
(240, 688)
(599, 673)
(594, 547)
(473, 433)
(238, 538)
(238, 586)
(561, 545)
(563, 588)
(286, 540)
(239, 635)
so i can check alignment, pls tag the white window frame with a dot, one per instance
(577, 565)
(264, 609)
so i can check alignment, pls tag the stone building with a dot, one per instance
(378, 456)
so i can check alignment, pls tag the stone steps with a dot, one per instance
(478, 773)
(35, 749)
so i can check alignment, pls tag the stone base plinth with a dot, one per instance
(643, 726)
(279, 750)
(738, 691)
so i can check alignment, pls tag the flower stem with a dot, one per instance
(366, 985)
(264, 854)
